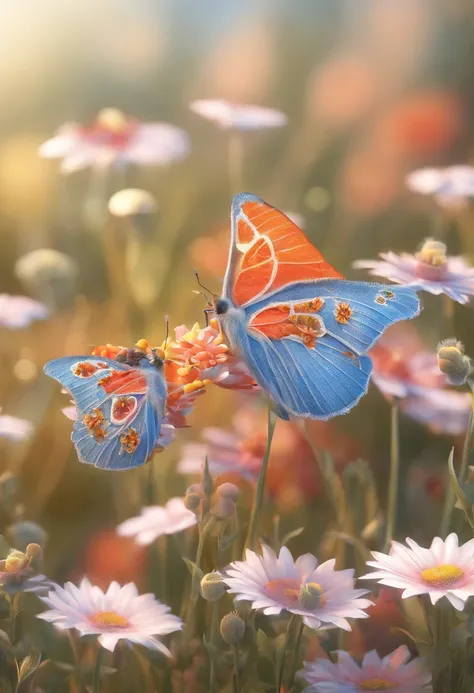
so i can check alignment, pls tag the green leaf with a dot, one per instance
(462, 501)
(27, 670)
(228, 539)
(265, 646)
(5, 643)
(291, 535)
(195, 570)
(206, 480)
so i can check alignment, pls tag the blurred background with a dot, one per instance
(371, 89)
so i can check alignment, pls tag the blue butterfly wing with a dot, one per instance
(100, 437)
(330, 377)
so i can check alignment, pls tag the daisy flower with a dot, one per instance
(231, 116)
(154, 521)
(394, 672)
(321, 595)
(429, 270)
(226, 452)
(444, 570)
(450, 187)
(443, 411)
(18, 571)
(17, 312)
(15, 429)
(115, 138)
(120, 613)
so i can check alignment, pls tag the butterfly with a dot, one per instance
(301, 328)
(120, 407)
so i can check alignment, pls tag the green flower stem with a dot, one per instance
(280, 660)
(213, 638)
(235, 161)
(294, 656)
(193, 597)
(394, 475)
(236, 677)
(259, 493)
(451, 492)
(13, 609)
(97, 668)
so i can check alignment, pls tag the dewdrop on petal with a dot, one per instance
(212, 587)
(453, 362)
(232, 628)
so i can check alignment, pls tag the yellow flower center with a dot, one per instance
(112, 119)
(433, 253)
(442, 576)
(109, 619)
(376, 685)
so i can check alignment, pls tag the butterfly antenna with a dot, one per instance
(208, 291)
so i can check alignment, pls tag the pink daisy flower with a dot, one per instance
(231, 116)
(443, 411)
(114, 138)
(17, 312)
(395, 672)
(429, 270)
(225, 451)
(156, 520)
(444, 570)
(120, 613)
(321, 595)
(15, 429)
(450, 187)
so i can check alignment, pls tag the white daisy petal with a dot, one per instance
(118, 614)
(274, 584)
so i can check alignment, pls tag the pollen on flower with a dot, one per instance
(129, 441)
(192, 387)
(343, 312)
(442, 576)
(433, 253)
(109, 619)
(377, 685)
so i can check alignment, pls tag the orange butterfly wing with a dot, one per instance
(269, 252)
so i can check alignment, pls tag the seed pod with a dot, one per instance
(228, 490)
(311, 596)
(453, 362)
(212, 587)
(232, 628)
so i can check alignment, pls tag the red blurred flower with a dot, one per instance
(423, 124)
(379, 631)
(110, 557)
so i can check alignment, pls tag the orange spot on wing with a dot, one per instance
(95, 423)
(129, 441)
(282, 243)
(245, 234)
(124, 383)
(343, 312)
(278, 322)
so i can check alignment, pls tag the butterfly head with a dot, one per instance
(156, 358)
(221, 306)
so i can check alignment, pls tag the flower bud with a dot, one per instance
(212, 587)
(48, 275)
(453, 362)
(223, 508)
(192, 501)
(132, 202)
(24, 532)
(228, 490)
(232, 628)
(433, 253)
(311, 596)
(194, 488)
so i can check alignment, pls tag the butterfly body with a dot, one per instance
(301, 328)
(119, 408)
